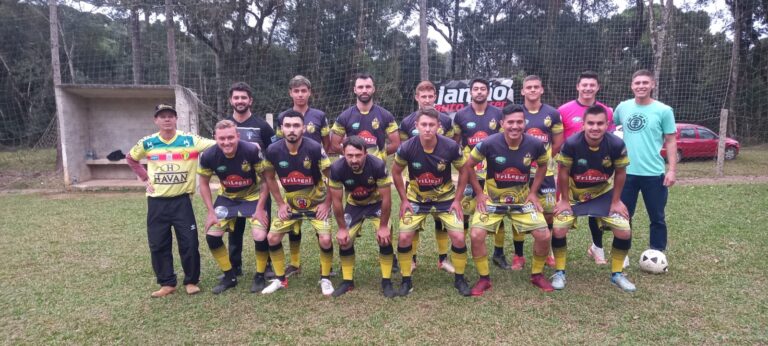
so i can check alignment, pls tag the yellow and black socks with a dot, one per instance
(442, 239)
(219, 252)
(405, 256)
(560, 251)
(538, 264)
(347, 257)
(481, 262)
(326, 260)
(459, 259)
(518, 240)
(278, 260)
(294, 242)
(262, 255)
(618, 253)
(386, 257)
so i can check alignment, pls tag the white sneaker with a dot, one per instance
(326, 286)
(274, 285)
(626, 262)
(446, 265)
(597, 253)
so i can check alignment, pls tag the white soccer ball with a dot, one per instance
(654, 262)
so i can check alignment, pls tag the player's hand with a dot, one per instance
(669, 178)
(533, 198)
(383, 236)
(563, 206)
(261, 216)
(482, 201)
(323, 210)
(284, 211)
(342, 236)
(149, 187)
(405, 206)
(210, 220)
(619, 208)
(457, 210)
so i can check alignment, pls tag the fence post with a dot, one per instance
(721, 143)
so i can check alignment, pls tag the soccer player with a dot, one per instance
(252, 128)
(368, 120)
(471, 125)
(366, 183)
(301, 164)
(172, 162)
(425, 97)
(430, 192)
(590, 178)
(316, 128)
(542, 121)
(572, 113)
(648, 124)
(510, 155)
(237, 164)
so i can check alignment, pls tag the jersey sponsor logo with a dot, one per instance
(500, 159)
(375, 123)
(581, 162)
(511, 174)
(356, 126)
(307, 162)
(414, 132)
(636, 122)
(368, 137)
(416, 165)
(576, 119)
(221, 168)
(349, 182)
(245, 166)
(171, 178)
(428, 179)
(168, 167)
(477, 137)
(591, 176)
(361, 192)
(235, 181)
(283, 164)
(171, 156)
(538, 134)
(471, 125)
(297, 178)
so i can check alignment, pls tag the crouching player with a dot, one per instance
(237, 164)
(364, 179)
(509, 155)
(301, 164)
(430, 192)
(591, 176)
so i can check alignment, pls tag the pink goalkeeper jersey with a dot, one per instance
(572, 115)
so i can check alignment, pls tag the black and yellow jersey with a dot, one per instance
(300, 173)
(475, 127)
(315, 125)
(591, 169)
(373, 127)
(408, 126)
(238, 175)
(544, 124)
(361, 188)
(429, 173)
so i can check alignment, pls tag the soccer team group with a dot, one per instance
(536, 166)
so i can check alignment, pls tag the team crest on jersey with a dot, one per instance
(407, 220)
(548, 121)
(492, 124)
(416, 165)
(283, 164)
(185, 154)
(307, 162)
(301, 203)
(508, 199)
(311, 128)
(245, 166)
(349, 182)
(471, 125)
(375, 123)
(607, 161)
(500, 159)
(527, 159)
(371, 181)
(441, 166)
(440, 131)
(484, 217)
(356, 126)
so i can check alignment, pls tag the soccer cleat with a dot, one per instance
(274, 285)
(326, 287)
(345, 287)
(518, 262)
(446, 265)
(258, 283)
(550, 261)
(501, 262)
(626, 262)
(406, 287)
(192, 289)
(558, 280)
(622, 282)
(481, 286)
(163, 291)
(291, 270)
(387, 289)
(238, 272)
(597, 253)
(224, 285)
(463, 287)
(269, 273)
(541, 282)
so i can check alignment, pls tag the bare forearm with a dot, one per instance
(137, 168)
(618, 185)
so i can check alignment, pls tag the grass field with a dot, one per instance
(76, 270)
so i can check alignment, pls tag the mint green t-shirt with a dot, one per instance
(644, 128)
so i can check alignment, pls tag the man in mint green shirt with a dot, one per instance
(648, 124)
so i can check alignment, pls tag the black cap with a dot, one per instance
(164, 107)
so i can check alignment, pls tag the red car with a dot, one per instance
(695, 141)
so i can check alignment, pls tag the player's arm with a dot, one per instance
(336, 193)
(283, 209)
(206, 195)
(563, 176)
(326, 143)
(533, 196)
(383, 234)
(457, 134)
(670, 143)
(338, 132)
(393, 143)
(557, 143)
(261, 211)
(397, 179)
(617, 206)
(325, 208)
(132, 158)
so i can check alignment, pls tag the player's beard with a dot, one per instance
(241, 108)
(364, 98)
(292, 138)
(480, 99)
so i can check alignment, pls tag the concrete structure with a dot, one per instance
(96, 120)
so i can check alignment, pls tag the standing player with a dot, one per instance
(301, 164)
(252, 128)
(368, 120)
(591, 176)
(470, 126)
(172, 162)
(425, 97)
(316, 128)
(430, 192)
(237, 164)
(364, 180)
(647, 125)
(542, 121)
(572, 114)
(506, 193)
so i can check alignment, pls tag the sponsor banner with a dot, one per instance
(453, 95)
